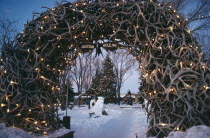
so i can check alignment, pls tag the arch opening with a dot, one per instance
(175, 79)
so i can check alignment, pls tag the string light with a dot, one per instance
(171, 28)
(7, 98)
(163, 124)
(42, 77)
(12, 82)
(191, 64)
(19, 114)
(46, 17)
(43, 122)
(177, 128)
(8, 110)
(58, 37)
(2, 105)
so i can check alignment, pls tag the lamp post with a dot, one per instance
(67, 119)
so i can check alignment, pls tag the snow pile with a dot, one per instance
(99, 106)
(55, 134)
(10, 132)
(193, 132)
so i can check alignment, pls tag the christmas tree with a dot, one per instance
(109, 81)
(96, 84)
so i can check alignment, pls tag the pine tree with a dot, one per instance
(108, 82)
(96, 84)
(70, 92)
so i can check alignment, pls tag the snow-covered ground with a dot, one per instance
(123, 122)
(120, 123)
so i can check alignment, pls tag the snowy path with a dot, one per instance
(117, 127)
(120, 123)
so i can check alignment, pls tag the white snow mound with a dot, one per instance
(193, 132)
(10, 132)
(99, 106)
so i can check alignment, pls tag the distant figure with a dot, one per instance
(93, 104)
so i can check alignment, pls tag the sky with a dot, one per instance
(21, 10)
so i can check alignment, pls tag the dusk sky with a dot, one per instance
(21, 10)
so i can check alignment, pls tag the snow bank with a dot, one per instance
(10, 132)
(193, 132)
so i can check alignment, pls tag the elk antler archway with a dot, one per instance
(175, 79)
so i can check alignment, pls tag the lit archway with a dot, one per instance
(175, 79)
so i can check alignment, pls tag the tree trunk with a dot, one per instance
(118, 95)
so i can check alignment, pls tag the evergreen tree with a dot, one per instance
(70, 92)
(108, 90)
(96, 84)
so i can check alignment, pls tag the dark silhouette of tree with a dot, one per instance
(109, 81)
